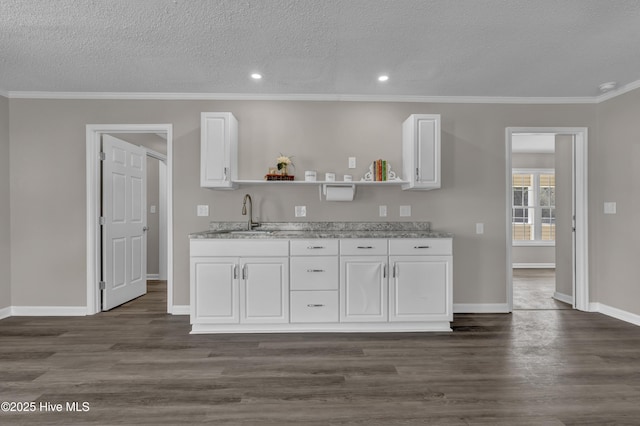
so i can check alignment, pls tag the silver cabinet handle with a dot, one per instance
(235, 272)
(315, 270)
(384, 271)
(245, 272)
(315, 247)
(315, 305)
(395, 270)
(225, 175)
(421, 247)
(365, 247)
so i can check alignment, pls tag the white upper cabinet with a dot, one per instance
(218, 150)
(421, 151)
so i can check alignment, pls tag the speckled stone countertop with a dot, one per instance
(290, 230)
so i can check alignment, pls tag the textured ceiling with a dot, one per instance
(498, 48)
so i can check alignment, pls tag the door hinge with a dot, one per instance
(103, 156)
(102, 285)
(102, 221)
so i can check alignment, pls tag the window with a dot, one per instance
(534, 207)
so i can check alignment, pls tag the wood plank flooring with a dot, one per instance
(534, 289)
(137, 365)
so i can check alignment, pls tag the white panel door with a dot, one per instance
(363, 289)
(264, 293)
(124, 208)
(214, 290)
(418, 288)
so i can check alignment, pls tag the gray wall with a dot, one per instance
(153, 219)
(5, 211)
(533, 254)
(48, 168)
(615, 176)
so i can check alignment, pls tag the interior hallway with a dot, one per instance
(534, 289)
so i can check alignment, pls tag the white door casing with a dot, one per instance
(124, 242)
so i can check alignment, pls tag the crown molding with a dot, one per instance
(619, 91)
(319, 97)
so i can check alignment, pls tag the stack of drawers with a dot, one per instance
(314, 281)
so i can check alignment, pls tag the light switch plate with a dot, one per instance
(301, 211)
(383, 211)
(479, 228)
(610, 207)
(152, 209)
(405, 211)
(203, 210)
(352, 162)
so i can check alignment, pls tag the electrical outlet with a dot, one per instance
(203, 210)
(609, 207)
(352, 162)
(152, 209)
(301, 211)
(405, 211)
(383, 211)
(479, 228)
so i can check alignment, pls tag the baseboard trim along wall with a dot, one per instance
(154, 277)
(48, 311)
(534, 266)
(181, 310)
(563, 298)
(5, 312)
(615, 313)
(480, 308)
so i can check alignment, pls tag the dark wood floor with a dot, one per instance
(137, 365)
(534, 289)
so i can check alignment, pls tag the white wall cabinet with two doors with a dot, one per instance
(219, 153)
(321, 285)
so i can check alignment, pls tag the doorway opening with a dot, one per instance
(547, 218)
(162, 136)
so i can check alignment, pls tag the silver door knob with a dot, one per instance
(145, 228)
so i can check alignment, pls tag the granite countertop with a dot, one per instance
(304, 230)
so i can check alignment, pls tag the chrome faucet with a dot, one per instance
(250, 224)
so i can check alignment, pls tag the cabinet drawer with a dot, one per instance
(420, 246)
(237, 247)
(363, 247)
(314, 273)
(314, 306)
(316, 247)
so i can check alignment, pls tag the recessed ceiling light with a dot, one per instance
(383, 77)
(608, 86)
(256, 76)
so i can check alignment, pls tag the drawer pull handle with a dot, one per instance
(315, 270)
(365, 247)
(421, 247)
(315, 305)
(315, 247)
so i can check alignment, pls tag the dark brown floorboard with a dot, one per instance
(534, 289)
(137, 365)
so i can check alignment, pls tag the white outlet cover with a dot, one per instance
(152, 209)
(383, 211)
(203, 210)
(405, 211)
(610, 207)
(479, 228)
(301, 211)
(352, 162)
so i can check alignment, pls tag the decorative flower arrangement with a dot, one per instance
(283, 163)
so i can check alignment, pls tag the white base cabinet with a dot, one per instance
(350, 285)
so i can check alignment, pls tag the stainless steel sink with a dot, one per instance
(252, 232)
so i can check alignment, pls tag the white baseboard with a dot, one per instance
(181, 310)
(480, 308)
(615, 313)
(153, 276)
(5, 312)
(533, 266)
(563, 298)
(48, 311)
